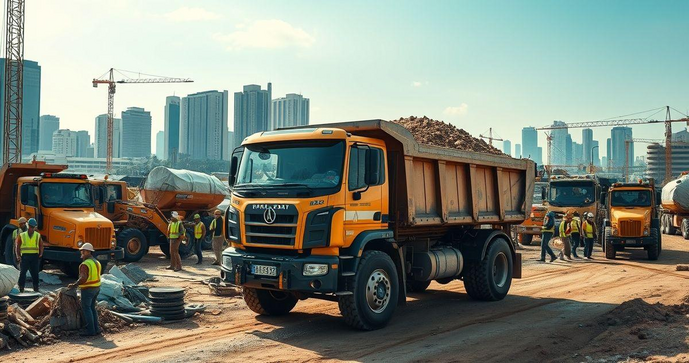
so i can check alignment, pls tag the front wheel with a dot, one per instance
(685, 228)
(269, 302)
(526, 239)
(10, 257)
(134, 244)
(654, 250)
(491, 278)
(607, 244)
(375, 293)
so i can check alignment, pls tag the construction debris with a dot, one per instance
(218, 287)
(682, 268)
(438, 133)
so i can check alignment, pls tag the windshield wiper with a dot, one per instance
(251, 189)
(295, 185)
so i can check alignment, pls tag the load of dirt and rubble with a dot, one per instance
(438, 133)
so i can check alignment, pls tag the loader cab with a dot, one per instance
(105, 193)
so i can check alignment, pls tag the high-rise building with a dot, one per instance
(48, 124)
(204, 125)
(518, 151)
(530, 143)
(291, 110)
(230, 144)
(251, 111)
(65, 142)
(31, 106)
(596, 149)
(608, 153)
(136, 133)
(577, 153)
(90, 152)
(586, 144)
(507, 147)
(101, 138)
(569, 153)
(558, 152)
(655, 157)
(172, 123)
(619, 136)
(83, 142)
(160, 145)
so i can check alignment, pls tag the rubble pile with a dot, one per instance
(438, 133)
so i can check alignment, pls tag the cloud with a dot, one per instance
(266, 34)
(416, 84)
(186, 14)
(460, 110)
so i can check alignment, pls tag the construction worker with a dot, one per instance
(89, 284)
(176, 234)
(588, 229)
(199, 236)
(565, 235)
(576, 236)
(217, 228)
(546, 234)
(29, 251)
(22, 228)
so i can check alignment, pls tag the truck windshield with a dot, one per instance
(571, 194)
(631, 198)
(66, 195)
(309, 164)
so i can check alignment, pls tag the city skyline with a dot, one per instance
(533, 87)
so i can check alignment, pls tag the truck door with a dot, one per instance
(28, 201)
(366, 199)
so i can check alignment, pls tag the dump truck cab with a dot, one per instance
(62, 204)
(632, 219)
(578, 193)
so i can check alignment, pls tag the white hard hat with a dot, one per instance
(175, 215)
(87, 247)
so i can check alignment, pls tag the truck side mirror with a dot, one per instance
(372, 176)
(24, 194)
(658, 197)
(39, 220)
(233, 170)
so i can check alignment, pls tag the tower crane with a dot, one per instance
(14, 81)
(631, 121)
(646, 141)
(490, 137)
(109, 79)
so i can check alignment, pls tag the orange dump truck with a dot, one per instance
(360, 213)
(531, 227)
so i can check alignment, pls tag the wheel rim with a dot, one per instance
(378, 291)
(134, 246)
(500, 267)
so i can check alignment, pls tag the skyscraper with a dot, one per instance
(291, 110)
(101, 138)
(518, 151)
(530, 143)
(160, 145)
(569, 152)
(608, 153)
(31, 106)
(230, 144)
(204, 125)
(251, 111)
(507, 147)
(596, 151)
(586, 144)
(65, 142)
(619, 135)
(558, 153)
(48, 124)
(136, 133)
(172, 121)
(577, 153)
(83, 142)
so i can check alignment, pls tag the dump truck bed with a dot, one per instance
(437, 186)
(10, 173)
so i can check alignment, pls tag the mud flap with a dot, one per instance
(517, 266)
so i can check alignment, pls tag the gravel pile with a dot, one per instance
(438, 133)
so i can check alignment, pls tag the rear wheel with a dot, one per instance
(375, 293)
(185, 250)
(654, 250)
(134, 244)
(10, 257)
(526, 239)
(671, 230)
(685, 228)
(607, 244)
(269, 302)
(490, 279)
(663, 225)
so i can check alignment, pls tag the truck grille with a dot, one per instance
(282, 232)
(630, 229)
(99, 237)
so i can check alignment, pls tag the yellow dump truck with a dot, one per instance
(632, 219)
(360, 213)
(532, 226)
(62, 205)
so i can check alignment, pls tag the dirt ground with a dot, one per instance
(562, 311)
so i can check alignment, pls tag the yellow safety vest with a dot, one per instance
(174, 230)
(544, 229)
(198, 230)
(93, 279)
(588, 229)
(16, 233)
(30, 244)
(575, 225)
(563, 231)
(212, 226)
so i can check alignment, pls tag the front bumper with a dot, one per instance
(70, 255)
(236, 269)
(632, 241)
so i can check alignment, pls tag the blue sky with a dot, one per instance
(500, 64)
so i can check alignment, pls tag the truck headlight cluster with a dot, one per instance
(646, 232)
(315, 269)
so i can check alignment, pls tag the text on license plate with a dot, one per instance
(631, 241)
(264, 270)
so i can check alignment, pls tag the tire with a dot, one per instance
(208, 241)
(10, 258)
(663, 225)
(671, 230)
(269, 302)
(70, 269)
(491, 278)
(654, 250)
(526, 239)
(184, 250)
(685, 228)
(134, 243)
(375, 293)
(417, 286)
(607, 245)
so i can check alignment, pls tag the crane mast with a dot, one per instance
(14, 82)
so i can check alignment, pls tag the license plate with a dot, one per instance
(264, 270)
(632, 241)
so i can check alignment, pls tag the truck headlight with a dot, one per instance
(646, 232)
(315, 269)
(227, 262)
(80, 243)
(614, 231)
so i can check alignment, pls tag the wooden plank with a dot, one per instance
(442, 190)
(474, 191)
(499, 191)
